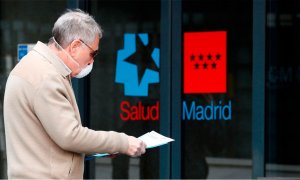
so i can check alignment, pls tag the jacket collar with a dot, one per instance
(44, 51)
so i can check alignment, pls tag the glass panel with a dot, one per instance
(22, 22)
(282, 88)
(120, 69)
(217, 86)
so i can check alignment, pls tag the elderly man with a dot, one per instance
(44, 135)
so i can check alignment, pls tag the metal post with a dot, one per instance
(165, 87)
(258, 87)
(176, 13)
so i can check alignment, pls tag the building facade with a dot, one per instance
(221, 77)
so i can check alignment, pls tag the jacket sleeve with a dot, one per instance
(58, 118)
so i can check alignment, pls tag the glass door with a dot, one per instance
(124, 84)
(282, 88)
(217, 89)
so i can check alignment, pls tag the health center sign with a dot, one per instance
(205, 72)
(137, 67)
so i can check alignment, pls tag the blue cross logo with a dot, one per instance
(137, 65)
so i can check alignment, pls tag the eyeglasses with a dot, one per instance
(94, 53)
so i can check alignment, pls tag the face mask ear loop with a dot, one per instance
(69, 56)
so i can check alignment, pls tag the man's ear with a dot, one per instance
(74, 46)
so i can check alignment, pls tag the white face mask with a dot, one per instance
(84, 71)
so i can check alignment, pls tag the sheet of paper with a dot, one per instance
(154, 139)
(151, 139)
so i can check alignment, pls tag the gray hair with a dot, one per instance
(75, 24)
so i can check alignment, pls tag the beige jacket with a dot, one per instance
(44, 135)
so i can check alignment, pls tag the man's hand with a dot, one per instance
(136, 147)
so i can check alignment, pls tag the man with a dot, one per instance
(44, 135)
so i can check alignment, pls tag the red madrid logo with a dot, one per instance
(205, 62)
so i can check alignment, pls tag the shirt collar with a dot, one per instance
(58, 63)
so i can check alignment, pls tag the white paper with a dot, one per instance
(151, 139)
